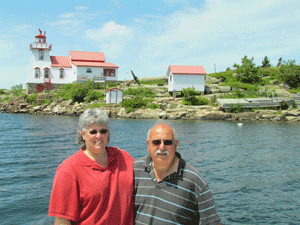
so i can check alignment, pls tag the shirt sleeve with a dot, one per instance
(207, 209)
(65, 200)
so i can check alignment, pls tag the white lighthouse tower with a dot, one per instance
(39, 77)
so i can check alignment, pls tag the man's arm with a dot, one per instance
(207, 208)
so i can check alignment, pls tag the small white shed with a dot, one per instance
(180, 77)
(114, 96)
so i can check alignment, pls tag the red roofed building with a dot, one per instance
(51, 72)
(180, 77)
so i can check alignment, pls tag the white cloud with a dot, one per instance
(223, 31)
(80, 7)
(111, 37)
(67, 15)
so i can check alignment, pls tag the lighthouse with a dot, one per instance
(51, 72)
(39, 76)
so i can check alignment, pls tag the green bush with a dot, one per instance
(156, 81)
(284, 105)
(140, 92)
(193, 100)
(76, 91)
(97, 105)
(93, 95)
(152, 106)
(235, 108)
(2, 92)
(248, 72)
(47, 101)
(190, 92)
(134, 103)
(31, 98)
(289, 73)
(16, 90)
(224, 76)
(6, 99)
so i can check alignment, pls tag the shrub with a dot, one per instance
(6, 99)
(193, 100)
(93, 95)
(134, 103)
(76, 91)
(289, 73)
(31, 98)
(248, 72)
(224, 76)
(140, 92)
(156, 81)
(284, 105)
(2, 92)
(190, 92)
(16, 90)
(235, 108)
(97, 105)
(152, 106)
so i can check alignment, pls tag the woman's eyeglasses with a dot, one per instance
(102, 131)
(158, 142)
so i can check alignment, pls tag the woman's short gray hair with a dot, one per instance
(89, 117)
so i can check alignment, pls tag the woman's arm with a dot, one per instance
(62, 221)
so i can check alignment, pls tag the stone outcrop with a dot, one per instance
(170, 108)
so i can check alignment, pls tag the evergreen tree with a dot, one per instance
(279, 62)
(248, 72)
(266, 62)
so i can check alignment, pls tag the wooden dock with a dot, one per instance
(253, 102)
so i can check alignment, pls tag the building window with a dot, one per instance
(109, 72)
(88, 70)
(61, 73)
(170, 78)
(46, 73)
(37, 73)
(41, 55)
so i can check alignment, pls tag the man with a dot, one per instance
(168, 190)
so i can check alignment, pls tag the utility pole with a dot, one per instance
(215, 68)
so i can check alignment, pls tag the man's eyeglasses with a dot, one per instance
(102, 131)
(158, 142)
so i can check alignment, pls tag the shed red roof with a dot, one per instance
(113, 88)
(60, 61)
(87, 56)
(94, 64)
(187, 70)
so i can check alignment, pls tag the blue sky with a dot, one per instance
(147, 37)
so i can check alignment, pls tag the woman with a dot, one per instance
(95, 185)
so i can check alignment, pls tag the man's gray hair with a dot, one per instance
(89, 117)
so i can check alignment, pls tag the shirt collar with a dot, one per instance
(148, 164)
(111, 154)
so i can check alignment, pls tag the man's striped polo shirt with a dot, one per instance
(181, 198)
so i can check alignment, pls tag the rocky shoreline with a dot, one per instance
(169, 109)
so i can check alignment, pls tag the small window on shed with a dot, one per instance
(88, 70)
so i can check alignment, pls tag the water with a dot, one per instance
(253, 170)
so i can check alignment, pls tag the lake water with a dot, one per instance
(253, 170)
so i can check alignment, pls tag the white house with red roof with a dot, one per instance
(180, 77)
(51, 72)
